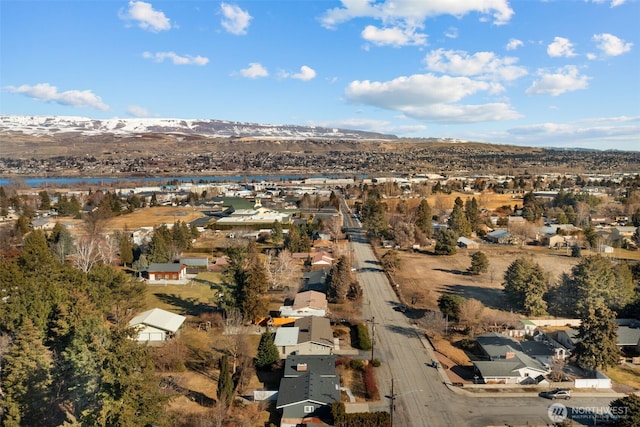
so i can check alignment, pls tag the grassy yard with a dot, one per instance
(625, 374)
(192, 299)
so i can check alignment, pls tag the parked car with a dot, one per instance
(559, 393)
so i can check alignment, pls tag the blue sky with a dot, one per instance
(562, 73)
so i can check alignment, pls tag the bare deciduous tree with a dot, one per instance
(86, 254)
(281, 269)
(470, 313)
(108, 249)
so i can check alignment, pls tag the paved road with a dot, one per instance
(421, 398)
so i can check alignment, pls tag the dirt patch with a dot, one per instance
(151, 217)
(432, 275)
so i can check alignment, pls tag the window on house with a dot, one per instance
(308, 409)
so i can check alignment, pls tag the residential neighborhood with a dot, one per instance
(340, 281)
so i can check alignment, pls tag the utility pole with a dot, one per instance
(373, 335)
(392, 402)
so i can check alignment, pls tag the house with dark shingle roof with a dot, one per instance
(307, 391)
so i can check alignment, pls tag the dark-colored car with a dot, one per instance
(559, 393)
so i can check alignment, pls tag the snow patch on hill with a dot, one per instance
(52, 125)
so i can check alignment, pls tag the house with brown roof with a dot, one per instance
(166, 272)
(309, 335)
(308, 303)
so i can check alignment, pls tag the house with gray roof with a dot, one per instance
(307, 391)
(156, 325)
(309, 335)
(505, 362)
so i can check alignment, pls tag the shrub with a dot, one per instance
(364, 342)
(370, 383)
(375, 363)
(356, 364)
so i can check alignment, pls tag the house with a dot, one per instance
(315, 280)
(164, 272)
(219, 263)
(321, 258)
(467, 243)
(501, 236)
(309, 335)
(308, 303)
(309, 387)
(629, 337)
(506, 362)
(567, 337)
(622, 233)
(156, 325)
(42, 224)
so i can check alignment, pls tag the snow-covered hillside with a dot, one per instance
(52, 125)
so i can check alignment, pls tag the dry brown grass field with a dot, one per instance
(434, 275)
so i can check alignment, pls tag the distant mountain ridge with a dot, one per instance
(56, 125)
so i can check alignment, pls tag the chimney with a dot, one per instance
(301, 367)
(509, 355)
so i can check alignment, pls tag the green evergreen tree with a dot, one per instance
(26, 379)
(449, 305)
(597, 338)
(126, 250)
(338, 280)
(160, 245)
(525, 285)
(225, 382)
(129, 390)
(424, 220)
(45, 201)
(472, 212)
(277, 235)
(479, 263)
(250, 278)
(626, 410)
(373, 217)
(458, 221)
(267, 352)
(596, 281)
(446, 242)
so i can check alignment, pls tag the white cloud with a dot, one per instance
(514, 44)
(305, 74)
(393, 36)
(254, 71)
(413, 13)
(599, 133)
(566, 79)
(611, 45)
(429, 97)
(175, 58)
(485, 65)
(146, 17)
(234, 19)
(371, 125)
(74, 98)
(560, 47)
(452, 33)
(614, 3)
(137, 111)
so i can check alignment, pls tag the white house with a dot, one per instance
(156, 325)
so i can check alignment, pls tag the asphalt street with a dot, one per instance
(421, 395)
